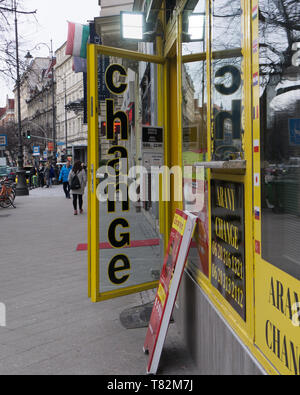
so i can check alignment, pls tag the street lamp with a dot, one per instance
(64, 81)
(21, 189)
(29, 56)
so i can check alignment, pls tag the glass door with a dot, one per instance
(126, 153)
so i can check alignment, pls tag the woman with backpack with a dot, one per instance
(77, 182)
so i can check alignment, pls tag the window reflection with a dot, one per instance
(194, 135)
(192, 45)
(279, 38)
(227, 83)
(194, 123)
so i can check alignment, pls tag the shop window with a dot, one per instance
(227, 84)
(194, 137)
(279, 41)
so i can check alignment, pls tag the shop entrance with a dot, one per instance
(127, 141)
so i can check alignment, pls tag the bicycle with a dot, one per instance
(12, 186)
(7, 195)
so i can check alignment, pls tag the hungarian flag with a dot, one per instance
(49, 71)
(78, 36)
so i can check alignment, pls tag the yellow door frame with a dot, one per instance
(93, 242)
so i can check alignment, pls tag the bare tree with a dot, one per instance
(279, 31)
(11, 131)
(7, 36)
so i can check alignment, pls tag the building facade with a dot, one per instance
(7, 113)
(71, 130)
(37, 108)
(7, 127)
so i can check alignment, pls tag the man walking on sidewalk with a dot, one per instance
(64, 177)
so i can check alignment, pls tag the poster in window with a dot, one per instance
(228, 274)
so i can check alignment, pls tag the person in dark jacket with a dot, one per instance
(78, 193)
(64, 177)
(41, 176)
(47, 175)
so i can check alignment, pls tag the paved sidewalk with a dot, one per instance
(52, 327)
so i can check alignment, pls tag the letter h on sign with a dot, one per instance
(116, 89)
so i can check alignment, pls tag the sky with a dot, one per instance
(49, 23)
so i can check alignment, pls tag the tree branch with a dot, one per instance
(18, 12)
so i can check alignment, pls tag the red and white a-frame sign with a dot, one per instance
(174, 263)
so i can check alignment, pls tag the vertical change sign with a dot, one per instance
(174, 262)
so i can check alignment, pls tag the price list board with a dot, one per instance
(228, 273)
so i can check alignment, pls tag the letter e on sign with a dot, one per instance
(113, 269)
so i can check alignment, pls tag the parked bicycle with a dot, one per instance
(7, 194)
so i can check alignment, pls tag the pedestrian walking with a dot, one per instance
(64, 177)
(47, 175)
(41, 176)
(52, 174)
(77, 181)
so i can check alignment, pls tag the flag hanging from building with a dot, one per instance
(79, 65)
(49, 71)
(78, 36)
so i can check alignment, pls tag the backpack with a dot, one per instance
(75, 183)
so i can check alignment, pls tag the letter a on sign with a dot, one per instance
(176, 256)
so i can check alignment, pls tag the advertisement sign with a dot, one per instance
(294, 129)
(228, 243)
(278, 318)
(103, 64)
(3, 140)
(180, 240)
(152, 145)
(36, 150)
(50, 146)
(152, 138)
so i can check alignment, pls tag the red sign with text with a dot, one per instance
(174, 263)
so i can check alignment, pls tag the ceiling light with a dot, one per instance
(196, 26)
(132, 25)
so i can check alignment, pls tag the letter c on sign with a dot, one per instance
(268, 330)
(236, 80)
(109, 79)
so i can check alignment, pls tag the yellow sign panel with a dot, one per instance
(179, 224)
(278, 318)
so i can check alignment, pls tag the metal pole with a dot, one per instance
(53, 108)
(21, 189)
(66, 118)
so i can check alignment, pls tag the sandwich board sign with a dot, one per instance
(180, 240)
